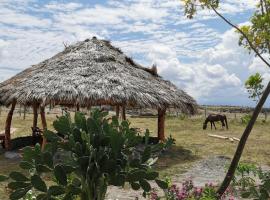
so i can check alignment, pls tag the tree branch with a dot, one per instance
(245, 36)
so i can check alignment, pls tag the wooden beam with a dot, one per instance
(161, 124)
(124, 113)
(117, 110)
(44, 124)
(8, 125)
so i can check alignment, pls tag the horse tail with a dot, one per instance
(225, 118)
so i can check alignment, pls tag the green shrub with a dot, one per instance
(83, 158)
(245, 119)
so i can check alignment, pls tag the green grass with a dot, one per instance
(192, 143)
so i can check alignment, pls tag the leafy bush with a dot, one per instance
(247, 185)
(242, 177)
(245, 119)
(261, 191)
(83, 158)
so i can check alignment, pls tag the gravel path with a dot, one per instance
(211, 169)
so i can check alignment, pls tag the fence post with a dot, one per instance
(205, 112)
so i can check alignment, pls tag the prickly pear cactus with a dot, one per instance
(96, 152)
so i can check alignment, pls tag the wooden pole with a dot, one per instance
(35, 115)
(24, 112)
(20, 111)
(161, 124)
(117, 110)
(44, 124)
(8, 125)
(124, 113)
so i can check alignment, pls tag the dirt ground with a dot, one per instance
(209, 170)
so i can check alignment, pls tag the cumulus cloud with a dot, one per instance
(194, 54)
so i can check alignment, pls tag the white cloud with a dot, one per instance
(63, 6)
(191, 53)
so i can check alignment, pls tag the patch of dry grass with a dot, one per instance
(192, 143)
(190, 136)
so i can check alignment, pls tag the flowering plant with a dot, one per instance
(188, 191)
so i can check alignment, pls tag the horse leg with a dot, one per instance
(222, 123)
(215, 126)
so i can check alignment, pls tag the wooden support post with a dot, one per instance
(8, 125)
(35, 115)
(117, 110)
(124, 113)
(24, 112)
(44, 124)
(77, 107)
(161, 124)
(20, 111)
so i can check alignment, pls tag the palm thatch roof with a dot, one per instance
(93, 72)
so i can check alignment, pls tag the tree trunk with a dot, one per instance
(44, 124)
(161, 124)
(228, 178)
(8, 125)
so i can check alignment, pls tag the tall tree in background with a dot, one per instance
(254, 87)
(255, 37)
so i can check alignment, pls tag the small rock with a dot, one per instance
(12, 155)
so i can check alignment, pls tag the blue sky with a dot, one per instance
(201, 56)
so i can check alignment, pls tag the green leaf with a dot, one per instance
(80, 121)
(17, 176)
(18, 194)
(26, 165)
(42, 197)
(162, 184)
(43, 168)
(28, 154)
(63, 124)
(68, 169)
(60, 175)
(146, 154)
(3, 178)
(135, 186)
(74, 190)
(245, 195)
(48, 159)
(37, 148)
(136, 175)
(266, 184)
(38, 183)
(151, 175)
(145, 185)
(17, 185)
(51, 136)
(56, 190)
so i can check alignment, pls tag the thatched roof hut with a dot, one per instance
(92, 72)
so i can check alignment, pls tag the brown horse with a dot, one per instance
(215, 118)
